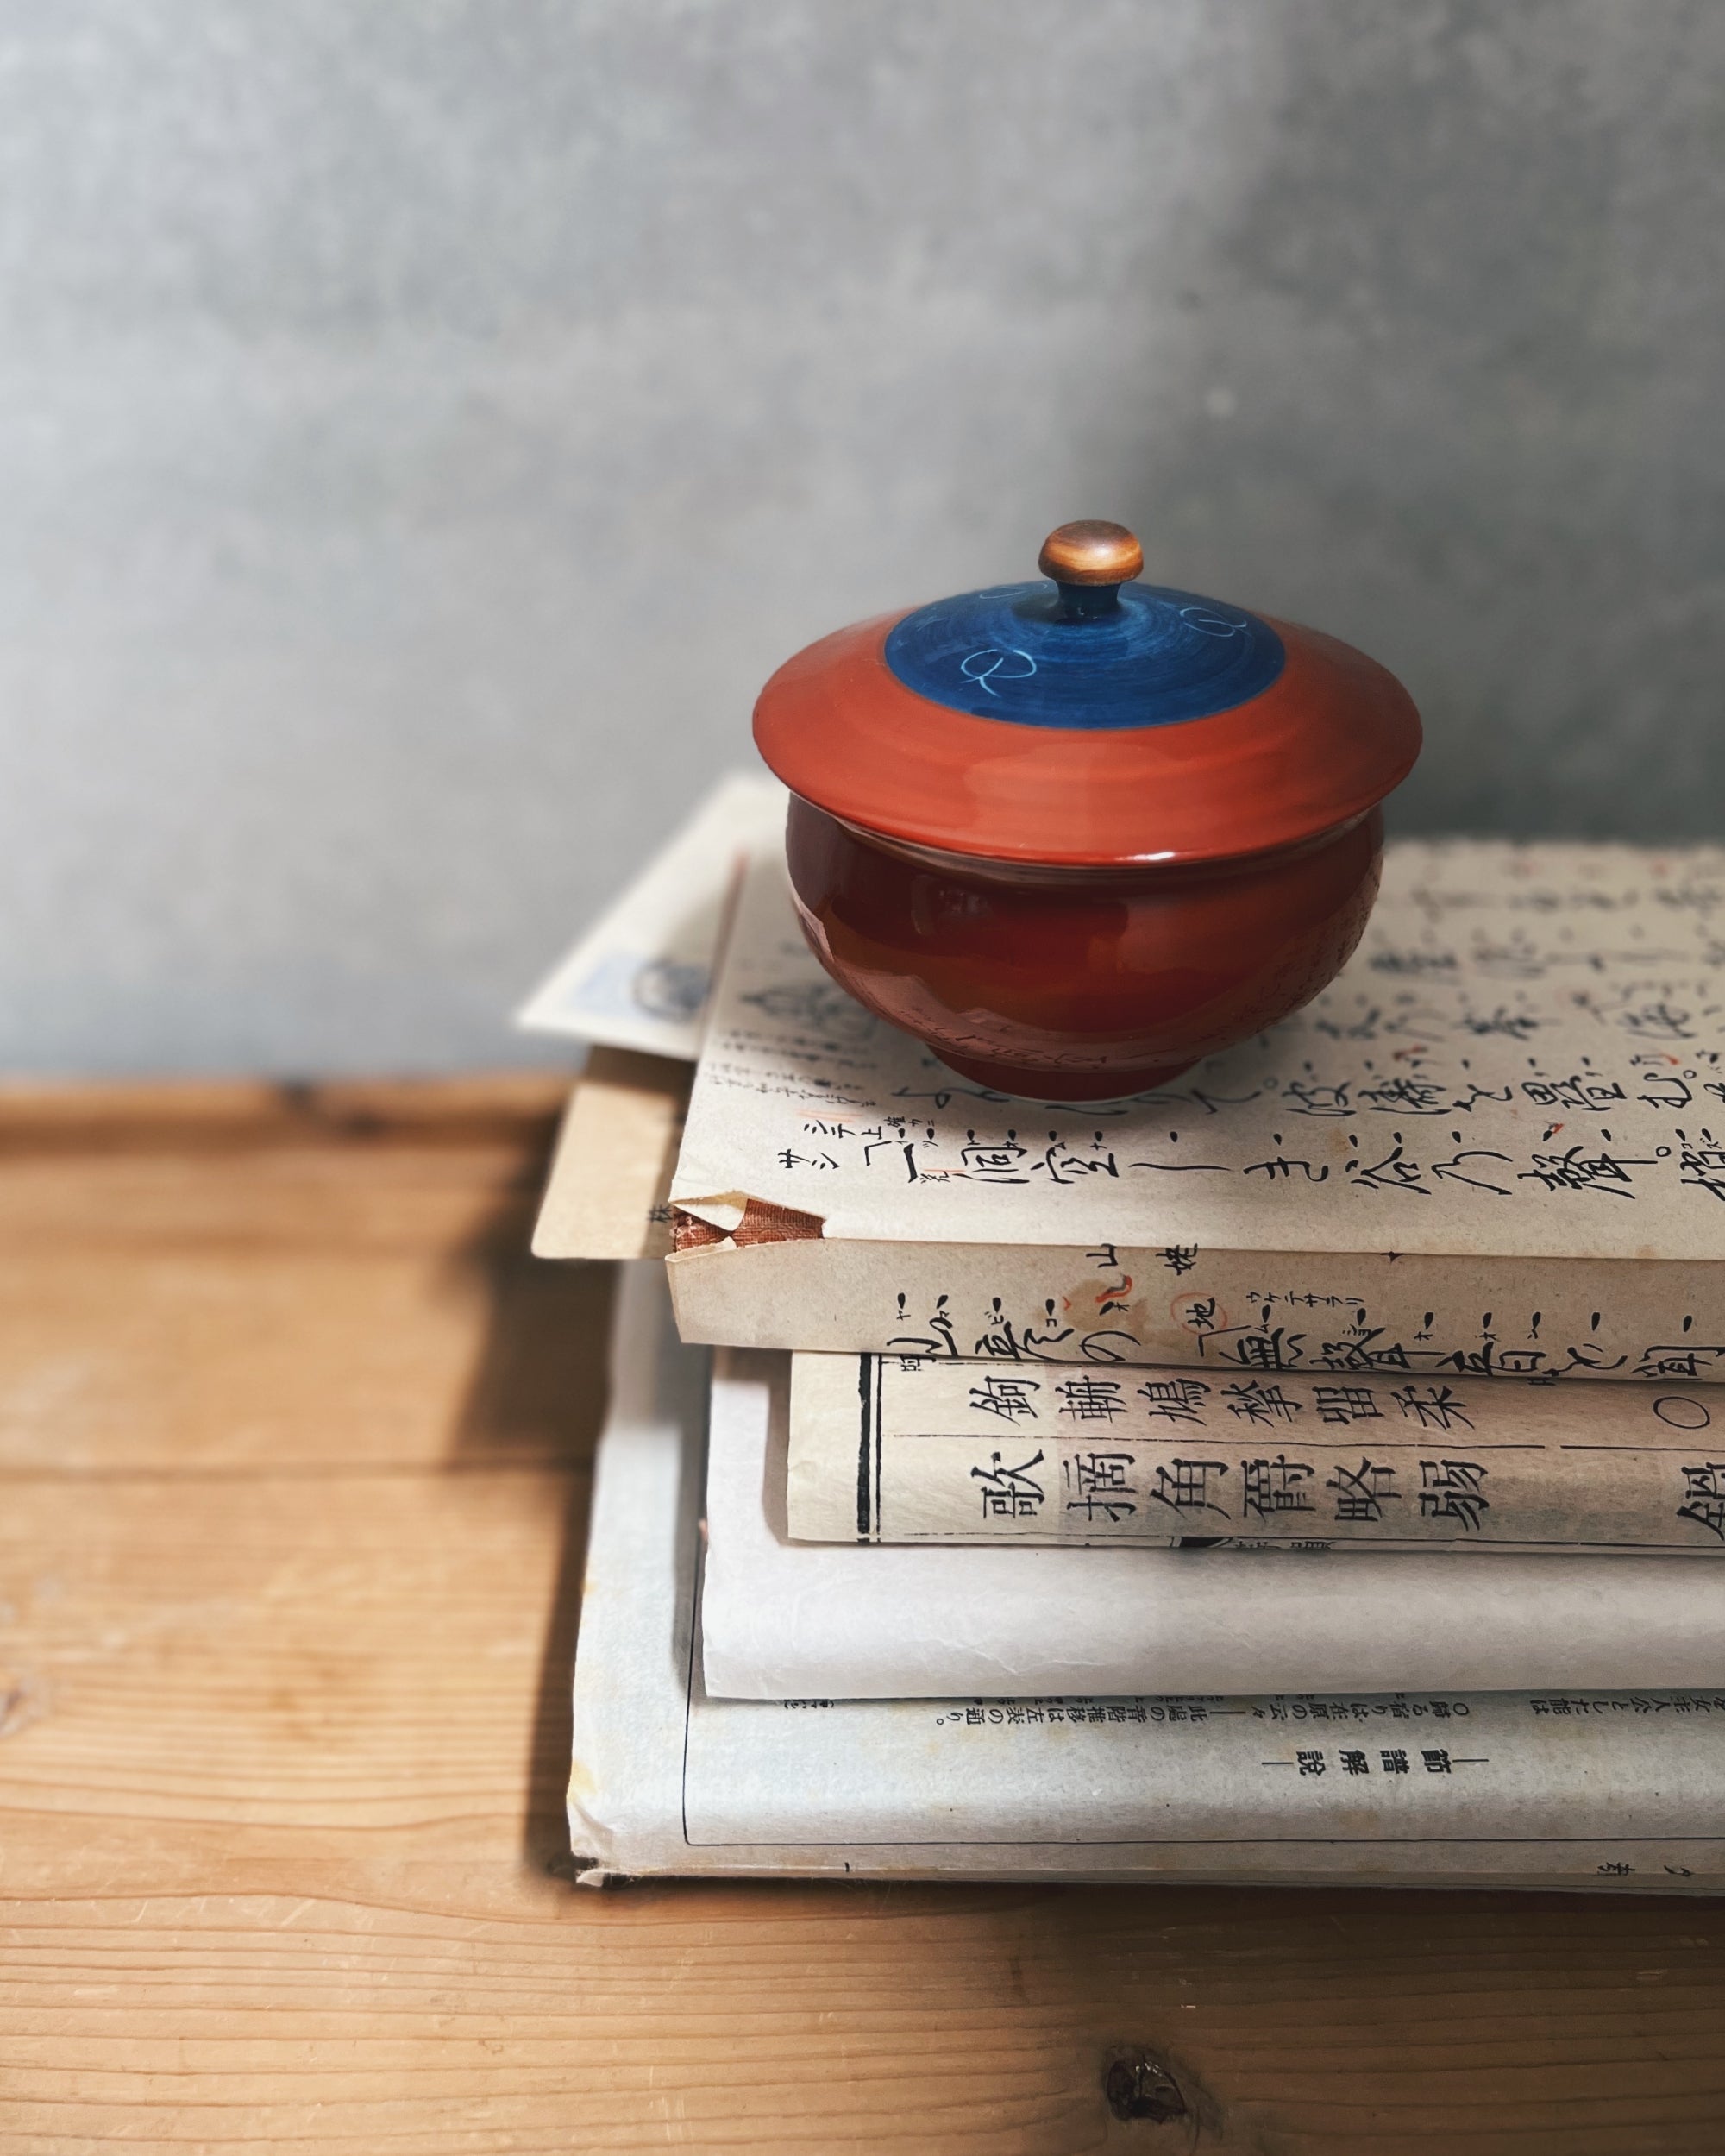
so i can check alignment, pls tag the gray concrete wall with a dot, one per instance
(421, 427)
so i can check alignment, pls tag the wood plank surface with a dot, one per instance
(294, 1455)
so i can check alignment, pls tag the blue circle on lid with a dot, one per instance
(1042, 655)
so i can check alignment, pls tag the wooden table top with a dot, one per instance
(296, 1442)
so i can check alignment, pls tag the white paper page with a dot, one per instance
(784, 1621)
(1615, 1792)
(640, 977)
(1525, 1057)
(638, 1589)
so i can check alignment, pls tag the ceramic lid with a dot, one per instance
(1089, 719)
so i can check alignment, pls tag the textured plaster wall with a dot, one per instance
(423, 427)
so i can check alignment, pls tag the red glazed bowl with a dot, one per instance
(1075, 837)
(1072, 983)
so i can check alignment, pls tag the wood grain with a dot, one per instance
(293, 1450)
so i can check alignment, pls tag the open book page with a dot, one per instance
(639, 978)
(1524, 1057)
(894, 1448)
(1616, 1792)
(786, 1619)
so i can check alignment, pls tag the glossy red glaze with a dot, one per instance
(1074, 984)
(1326, 742)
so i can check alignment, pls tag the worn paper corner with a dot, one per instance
(610, 1175)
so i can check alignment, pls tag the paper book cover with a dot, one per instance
(781, 1618)
(903, 1449)
(1495, 1146)
(1612, 1791)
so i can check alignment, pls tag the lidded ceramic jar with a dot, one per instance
(1077, 835)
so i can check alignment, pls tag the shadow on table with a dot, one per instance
(537, 1398)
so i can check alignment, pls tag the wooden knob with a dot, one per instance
(1091, 552)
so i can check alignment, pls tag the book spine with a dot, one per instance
(885, 1449)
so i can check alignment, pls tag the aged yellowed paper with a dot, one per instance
(894, 1448)
(1493, 1145)
(1429, 1783)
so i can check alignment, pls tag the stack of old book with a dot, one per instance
(1308, 1470)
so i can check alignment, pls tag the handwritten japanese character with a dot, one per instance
(1256, 1402)
(1280, 1168)
(1702, 1164)
(1174, 1399)
(1473, 1165)
(1010, 1492)
(1406, 1094)
(1658, 1021)
(1099, 1481)
(1685, 1358)
(1580, 1089)
(1088, 1400)
(1454, 1489)
(1579, 1170)
(1433, 1407)
(1007, 1397)
(1346, 1404)
(1306, 1098)
(1704, 1496)
(1394, 1172)
(1254, 1348)
(986, 1161)
(1269, 1487)
(1184, 1486)
(1362, 1492)
(935, 1340)
(1063, 1163)
(1510, 1025)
